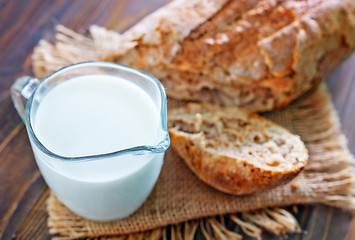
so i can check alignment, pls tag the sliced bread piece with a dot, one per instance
(233, 150)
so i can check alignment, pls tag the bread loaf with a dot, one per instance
(234, 150)
(259, 55)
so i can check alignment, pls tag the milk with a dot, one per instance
(93, 115)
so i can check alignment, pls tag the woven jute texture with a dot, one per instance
(180, 198)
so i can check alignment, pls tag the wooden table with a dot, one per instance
(22, 190)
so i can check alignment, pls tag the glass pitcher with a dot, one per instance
(90, 185)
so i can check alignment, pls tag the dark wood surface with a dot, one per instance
(22, 190)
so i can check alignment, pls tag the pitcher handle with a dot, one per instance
(21, 91)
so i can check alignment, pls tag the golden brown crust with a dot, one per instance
(278, 47)
(166, 27)
(225, 173)
(223, 165)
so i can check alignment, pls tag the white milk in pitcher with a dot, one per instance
(96, 114)
(93, 115)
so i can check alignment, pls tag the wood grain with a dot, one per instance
(22, 189)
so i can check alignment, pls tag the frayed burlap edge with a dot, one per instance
(275, 220)
(329, 175)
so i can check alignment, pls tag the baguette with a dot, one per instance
(259, 55)
(233, 150)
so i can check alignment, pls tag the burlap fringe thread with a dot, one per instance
(275, 220)
(334, 180)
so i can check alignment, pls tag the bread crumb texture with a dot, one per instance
(233, 150)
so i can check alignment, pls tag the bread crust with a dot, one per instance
(232, 174)
(225, 173)
(228, 52)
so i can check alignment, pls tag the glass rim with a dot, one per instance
(160, 147)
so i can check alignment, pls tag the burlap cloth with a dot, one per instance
(179, 196)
